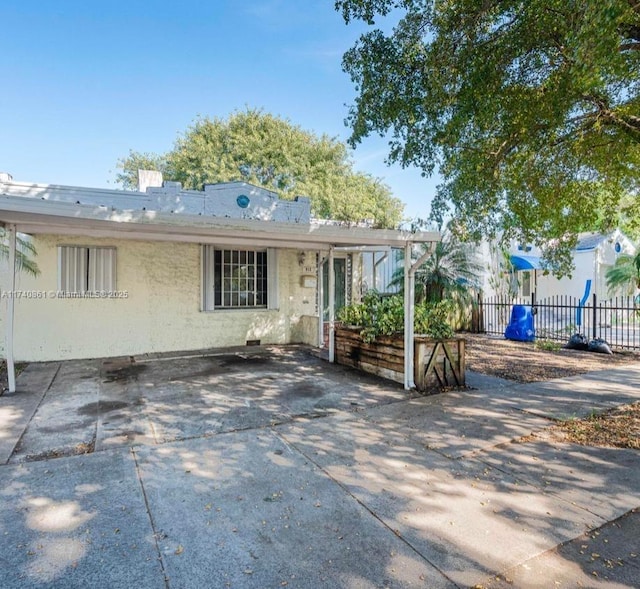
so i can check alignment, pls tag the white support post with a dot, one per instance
(11, 369)
(409, 314)
(332, 306)
(408, 318)
(320, 292)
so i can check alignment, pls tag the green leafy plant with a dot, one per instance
(625, 274)
(25, 253)
(378, 315)
(547, 345)
(525, 108)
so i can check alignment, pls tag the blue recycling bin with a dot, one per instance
(521, 327)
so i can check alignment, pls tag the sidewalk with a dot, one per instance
(430, 492)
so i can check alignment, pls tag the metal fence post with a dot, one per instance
(594, 315)
(534, 311)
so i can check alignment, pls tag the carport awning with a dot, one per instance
(37, 215)
(525, 263)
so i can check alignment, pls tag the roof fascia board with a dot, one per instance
(34, 213)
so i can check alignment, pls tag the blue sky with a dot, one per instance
(84, 82)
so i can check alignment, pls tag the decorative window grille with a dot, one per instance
(239, 278)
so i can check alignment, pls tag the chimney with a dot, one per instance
(5, 177)
(149, 179)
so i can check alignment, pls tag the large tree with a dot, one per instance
(529, 108)
(271, 152)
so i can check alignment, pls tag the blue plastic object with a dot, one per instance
(587, 290)
(521, 327)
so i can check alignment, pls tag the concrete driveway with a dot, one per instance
(102, 404)
(271, 468)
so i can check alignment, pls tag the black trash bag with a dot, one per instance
(577, 342)
(599, 345)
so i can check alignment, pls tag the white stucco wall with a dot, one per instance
(573, 286)
(161, 312)
(589, 264)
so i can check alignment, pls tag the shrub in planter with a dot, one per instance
(383, 315)
(367, 341)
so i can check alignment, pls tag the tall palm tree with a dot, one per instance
(25, 251)
(452, 271)
(625, 273)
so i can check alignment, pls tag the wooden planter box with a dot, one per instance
(437, 363)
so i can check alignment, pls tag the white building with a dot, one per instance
(593, 255)
(126, 273)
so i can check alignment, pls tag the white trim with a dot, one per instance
(39, 216)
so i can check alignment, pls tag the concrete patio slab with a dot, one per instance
(457, 424)
(465, 517)
(605, 481)
(65, 423)
(17, 409)
(103, 404)
(246, 510)
(76, 522)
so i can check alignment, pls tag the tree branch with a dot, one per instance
(630, 46)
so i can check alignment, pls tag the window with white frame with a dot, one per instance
(239, 278)
(86, 269)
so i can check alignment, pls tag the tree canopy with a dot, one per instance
(530, 109)
(271, 152)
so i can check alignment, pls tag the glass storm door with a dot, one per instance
(340, 273)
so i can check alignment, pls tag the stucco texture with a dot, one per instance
(162, 310)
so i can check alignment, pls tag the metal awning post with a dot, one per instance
(332, 306)
(409, 311)
(408, 318)
(320, 291)
(11, 369)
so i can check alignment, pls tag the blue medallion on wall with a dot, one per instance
(243, 201)
(618, 247)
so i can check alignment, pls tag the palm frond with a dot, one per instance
(452, 271)
(624, 274)
(25, 252)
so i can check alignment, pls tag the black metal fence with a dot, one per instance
(615, 320)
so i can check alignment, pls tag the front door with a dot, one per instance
(340, 273)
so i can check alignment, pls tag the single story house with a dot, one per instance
(167, 269)
(593, 255)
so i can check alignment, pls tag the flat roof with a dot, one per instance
(54, 209)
